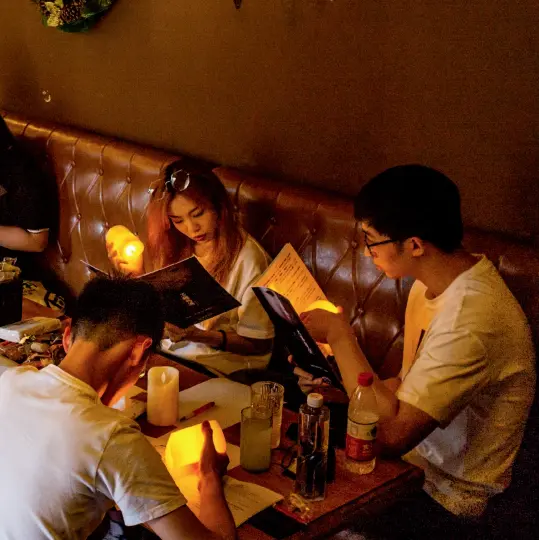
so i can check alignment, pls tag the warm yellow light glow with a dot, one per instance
(124, 242)
(118, 235)
(323, 304)
(184, 448)
(132, 249)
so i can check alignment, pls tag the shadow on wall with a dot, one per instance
(20, 83)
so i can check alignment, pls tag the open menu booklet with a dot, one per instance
(286, 289)
(189, 293)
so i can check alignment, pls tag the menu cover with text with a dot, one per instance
(188, 291)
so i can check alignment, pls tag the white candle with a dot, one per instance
(163, 396)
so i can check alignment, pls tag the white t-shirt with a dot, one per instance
(65, 458)
(248, 320)
(468, 363)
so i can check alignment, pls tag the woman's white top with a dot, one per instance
(248, 320)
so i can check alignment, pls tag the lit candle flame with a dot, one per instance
(124, 242)
(132, 249)
(163, 378)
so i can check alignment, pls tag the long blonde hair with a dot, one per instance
(167, 245)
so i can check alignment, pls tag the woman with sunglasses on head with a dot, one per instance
(193, 215)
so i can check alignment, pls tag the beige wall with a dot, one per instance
(322, 92)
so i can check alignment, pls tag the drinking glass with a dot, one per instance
(255, 439)
(270, 394)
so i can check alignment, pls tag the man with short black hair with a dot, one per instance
(467, 381)
(67, 457)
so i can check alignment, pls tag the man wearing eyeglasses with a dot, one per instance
(467, 381)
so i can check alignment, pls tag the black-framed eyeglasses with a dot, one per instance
(179, 180)
(370, 245)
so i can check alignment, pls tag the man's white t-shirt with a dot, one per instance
(65, 459)
(469, 364)
(249, 320)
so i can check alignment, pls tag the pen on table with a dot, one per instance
(198, 411)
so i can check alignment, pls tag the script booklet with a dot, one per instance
(189, 293)
(286, 289)
(244, 499)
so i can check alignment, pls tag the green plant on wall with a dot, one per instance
(72, 15)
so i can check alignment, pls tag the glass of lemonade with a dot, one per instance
(255, 440)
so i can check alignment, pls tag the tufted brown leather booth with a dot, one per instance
(103, 182)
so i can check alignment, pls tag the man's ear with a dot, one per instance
(140, 346)
(66, 338)
(418, 246)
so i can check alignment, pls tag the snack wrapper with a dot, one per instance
(10, 292)
(8, 272)
(36, 292)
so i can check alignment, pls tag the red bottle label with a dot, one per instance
(360, 441)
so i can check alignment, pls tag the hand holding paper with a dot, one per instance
(287, 289)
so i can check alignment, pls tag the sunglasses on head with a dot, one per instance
(179, 180)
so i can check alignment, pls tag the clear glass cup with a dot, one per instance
(270, 394)
(255, 439)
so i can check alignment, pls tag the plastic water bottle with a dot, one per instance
(361, 429)
(313, 440)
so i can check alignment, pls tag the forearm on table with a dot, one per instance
(19, 239)
(352, 362)
(234, 342)
(214, 512)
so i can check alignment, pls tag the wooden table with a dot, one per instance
(350, 498)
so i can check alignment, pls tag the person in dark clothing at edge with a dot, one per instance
(25, 202)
